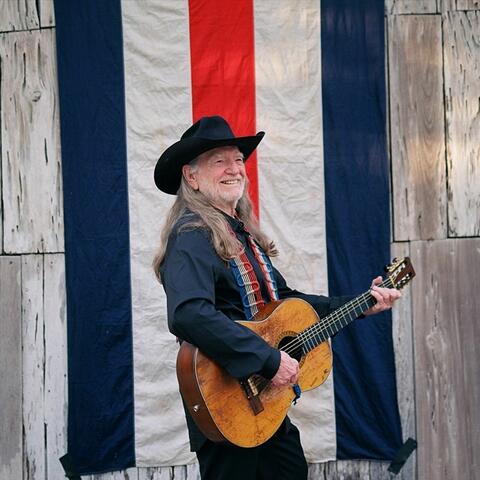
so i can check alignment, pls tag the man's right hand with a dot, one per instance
(287, 372)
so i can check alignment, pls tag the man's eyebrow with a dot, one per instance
(240, 154)
(222, 155)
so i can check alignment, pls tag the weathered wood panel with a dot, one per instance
(446, 311)
(33, 367)
(468, 4)
(462, 87)
(446, 5)
(11, 371)
(1, 203)
(158, 473)
(55, 370)
(47, 13)
(393, 7)
(129, 474)
(31, 171)
(18, 15)
(347, 469)
(417, 127)
(404, 362)
(193, 472)
(379, 471)
(315, 471)
(181, 472)
(350, 470)
(450, 5)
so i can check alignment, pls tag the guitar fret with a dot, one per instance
(340, 318)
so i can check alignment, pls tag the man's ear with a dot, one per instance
(190, 176)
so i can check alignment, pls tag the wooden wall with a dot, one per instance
(433, 79)
(434, 91)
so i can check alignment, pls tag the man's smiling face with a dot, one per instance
(220, 175)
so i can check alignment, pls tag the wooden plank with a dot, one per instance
(394, 7)
(379, 471)
(462, 87)
(128, 474)
(446, 5)
(33, 332)
(31, 176)
(55, 416)
(315, 471)
(193, 471)
(451, 5)
(417, 127)
(155, 473)
(446, 308)
(47, 13)
(11, 450)
(179, 472)
(404, 362)
(18, 15)
(468, 4)
(347, 470)
(1, 203)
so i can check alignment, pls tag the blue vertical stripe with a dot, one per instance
(100, 383)
(358, 221)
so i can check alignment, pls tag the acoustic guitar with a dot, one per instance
(248, 412)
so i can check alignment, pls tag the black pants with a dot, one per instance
(281, 458)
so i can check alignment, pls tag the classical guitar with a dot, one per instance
(248, 412)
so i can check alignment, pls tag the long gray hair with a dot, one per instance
(225, 244)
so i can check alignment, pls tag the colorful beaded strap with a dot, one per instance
(267, 269)
(247, 281)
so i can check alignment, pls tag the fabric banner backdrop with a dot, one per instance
(132, 77)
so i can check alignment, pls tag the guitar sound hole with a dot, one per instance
(289, 345)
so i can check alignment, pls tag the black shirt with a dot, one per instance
(203, 299)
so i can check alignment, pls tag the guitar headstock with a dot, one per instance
(400, 272)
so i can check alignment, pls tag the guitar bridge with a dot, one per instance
(253, 395)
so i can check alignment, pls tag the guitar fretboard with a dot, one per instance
(340, 318)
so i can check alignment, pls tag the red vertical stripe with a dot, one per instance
(223, 68)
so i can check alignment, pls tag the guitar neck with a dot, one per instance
(340, 318)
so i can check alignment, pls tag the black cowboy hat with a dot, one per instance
(207, 133)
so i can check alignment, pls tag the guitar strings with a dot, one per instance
(323, 324)
(326, 326)
(329, 321)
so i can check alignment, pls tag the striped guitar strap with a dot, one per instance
(247, 281)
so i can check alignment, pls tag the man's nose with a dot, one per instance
(233, 167)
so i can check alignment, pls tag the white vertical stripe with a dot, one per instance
(158, 106)
(290, 159)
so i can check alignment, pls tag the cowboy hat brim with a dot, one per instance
(168, 170)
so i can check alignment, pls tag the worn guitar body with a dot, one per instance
(248, 413)
(219, 404)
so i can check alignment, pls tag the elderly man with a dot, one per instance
(210, 237)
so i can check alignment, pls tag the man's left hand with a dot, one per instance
(385, 297)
